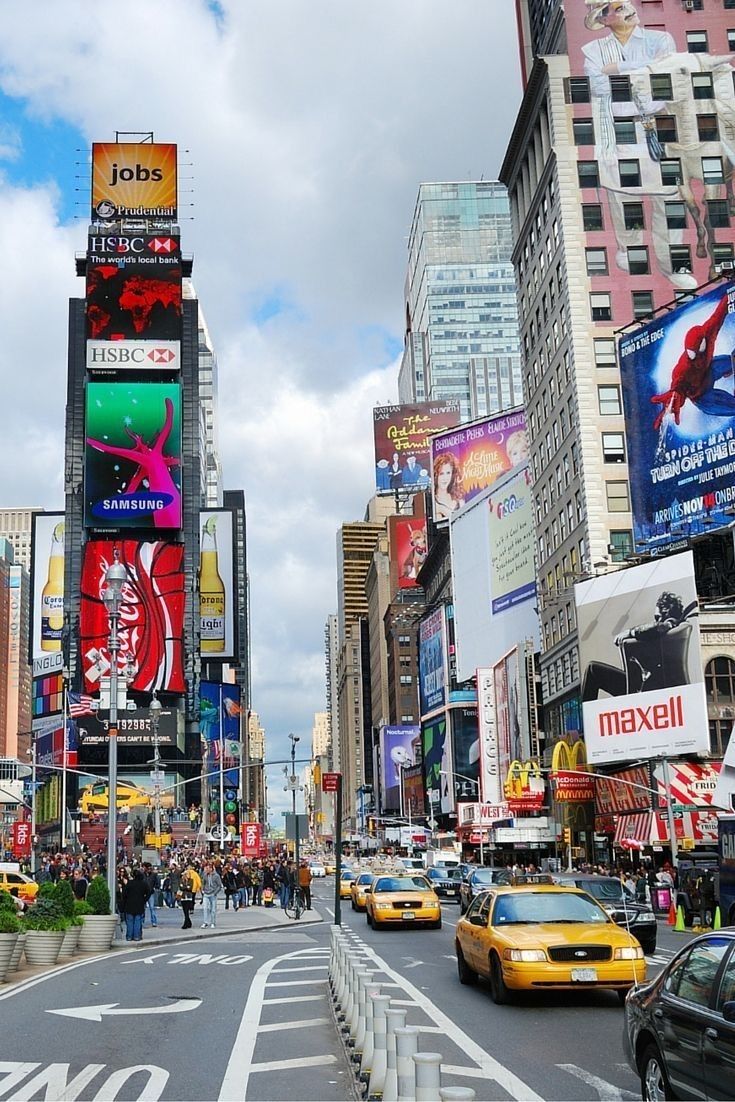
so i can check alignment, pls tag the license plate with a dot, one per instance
(408, 914)
(451, 891)
(584, 975)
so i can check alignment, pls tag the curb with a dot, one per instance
(201, 935)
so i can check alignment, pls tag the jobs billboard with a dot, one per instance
(677, 376)
(642, 680)
(134, 180)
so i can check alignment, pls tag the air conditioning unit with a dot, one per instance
(688, 5)
(725, 266)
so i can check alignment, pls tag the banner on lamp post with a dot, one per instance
(250, 839)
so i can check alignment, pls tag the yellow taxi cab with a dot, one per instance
(345, 883)
(541, 936)
(95, 797)
(362, 881)
(330, 868)
(18, 885)
(402, 898)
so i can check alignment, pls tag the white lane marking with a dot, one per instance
(27, 984)
(329, 911)
(606, 1092)
(145, 960)
(286, 1065)
(298, 983)
(412, 962)
(96, 1013)
(401, 1002)
(313, 968)
(294, 999)
(240, 1064)
(275, 1026)
(456, 1069)
(493, 1069)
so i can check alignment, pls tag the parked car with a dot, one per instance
(679, 1032)
(317, 869)
(445, 882)
(637, 918)
(479, 880)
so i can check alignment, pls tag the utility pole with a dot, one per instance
(293, 783)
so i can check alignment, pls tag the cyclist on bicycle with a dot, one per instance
(305, 883)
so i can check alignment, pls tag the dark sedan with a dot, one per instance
(445, 882)
(636, 917)
(479, 880)
(679, 1033)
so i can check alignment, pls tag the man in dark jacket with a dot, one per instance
(153, 883)
(134, 898)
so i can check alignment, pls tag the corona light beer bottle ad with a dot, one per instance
(51, 612)
(216, 622)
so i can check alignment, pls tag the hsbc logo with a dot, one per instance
(133, 355)
(112, 245)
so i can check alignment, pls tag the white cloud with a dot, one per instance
(309, 127)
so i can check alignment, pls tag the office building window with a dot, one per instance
(625, 132)
(579, 90)
(605, 352)
(592, 217)
(633, 215)
(723, 254)
(676, 216)
(671, 171)
(613, 447)
(621, 545)
(707, 128)
(620, 88)
(638, 260)
(712, 172)
(588, 174)
(630, 173)
(584, 132)
(642, 303)
(666, 128)
(618, 500)
(681, 258)
(702, 86)
(697, 42)
(596, 261)
(719, 215)
(731, 40)
(661, 86)
(600, 305)
(608, 398)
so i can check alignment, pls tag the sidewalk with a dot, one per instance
(246, 920)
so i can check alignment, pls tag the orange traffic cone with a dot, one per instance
(671, 920)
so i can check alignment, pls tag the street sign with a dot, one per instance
(158, 777)
(330, 782)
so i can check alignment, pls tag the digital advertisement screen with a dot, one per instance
(133, 301)
(132, 469)
(134, 180)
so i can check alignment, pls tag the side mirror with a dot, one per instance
(367, 889)
(728, 1011)
(477, 920)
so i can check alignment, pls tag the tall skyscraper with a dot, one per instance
(461, 336)
(622, 125)
(15, 526)
(331, 652)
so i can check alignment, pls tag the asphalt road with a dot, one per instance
(240, 1017)
(548, 1046)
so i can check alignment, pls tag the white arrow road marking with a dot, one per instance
(95, 1013)
(606, 1092)
(145, 960)
(413, 963)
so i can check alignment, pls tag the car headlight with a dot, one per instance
(524, 956)
(382, 906)
(628, 952)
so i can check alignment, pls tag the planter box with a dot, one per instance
(97, 933)
(71, 941)
(43, 946)
(17, 952)
(7, 947)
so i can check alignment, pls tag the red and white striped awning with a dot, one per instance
(633, 831)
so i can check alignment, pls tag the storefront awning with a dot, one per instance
(633, 831)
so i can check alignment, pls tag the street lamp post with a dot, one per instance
(115, 579)
(155, 709)
(293, 783)
(475, 781)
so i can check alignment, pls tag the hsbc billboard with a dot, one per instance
(143, 248)
(133, 355)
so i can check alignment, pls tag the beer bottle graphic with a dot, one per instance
(52, 595)
(211, 593)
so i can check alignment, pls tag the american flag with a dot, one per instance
(80, 704)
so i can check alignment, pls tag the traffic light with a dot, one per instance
(567, 836)
(371, 826)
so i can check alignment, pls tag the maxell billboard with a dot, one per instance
(642, 681)
(467, 460)
(402, 442)
(133, 180)
(109, 356)
(677, 376)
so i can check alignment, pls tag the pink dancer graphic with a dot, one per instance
(152, 470)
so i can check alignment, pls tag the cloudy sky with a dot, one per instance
(304, 128)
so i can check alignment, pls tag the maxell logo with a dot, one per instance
(632, 721)
(133, 355)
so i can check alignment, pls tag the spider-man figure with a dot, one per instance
(697, 370)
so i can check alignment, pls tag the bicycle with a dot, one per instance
(296, 904)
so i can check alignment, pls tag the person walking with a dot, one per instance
(211, 888)
(284, 883)
(189, 886)
(256, 879)
(305, 883)
(134, 897)
(153, 882)
(232, 891)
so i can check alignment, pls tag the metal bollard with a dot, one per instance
(366, 986)
(351, 1022)
(341, 984)
(366, 1061)
(379, 1065)
(407, 1044)
(395, 1018)
(428, 1076)
(350, 1009)
(457, 1094)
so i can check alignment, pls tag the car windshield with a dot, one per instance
(537, 907)
(348, 876)
(491, 876)
(401, 884)
(445, 874)
(607, 891)
(364, 878)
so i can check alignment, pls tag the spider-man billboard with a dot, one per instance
(132, 469)
(677, 376)
(151, 617)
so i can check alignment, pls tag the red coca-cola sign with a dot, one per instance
(22, 839)
(250, 839)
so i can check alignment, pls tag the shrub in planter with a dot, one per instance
(98, 896)
(45, 926)
(7, 903)
(82, 908)
(9, 930)
(45, 914)
(64, 896)
(47, 890)
(9, 923)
